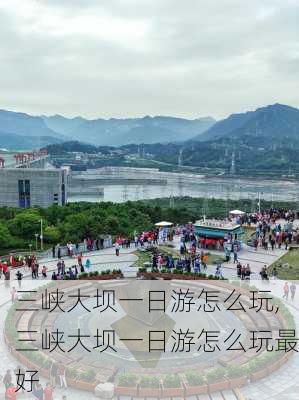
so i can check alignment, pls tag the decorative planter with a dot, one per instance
(71, 381)
(149, 392)
(262, 373)
(107, 277)
(218, 386)
(126, 391)
(102, 277)
(238, 382)
(173, 392)
(195, 390)
(169, 276)
(82, 385)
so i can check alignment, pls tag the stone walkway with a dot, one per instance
(283, 385)
(256, 260)
(100, 260)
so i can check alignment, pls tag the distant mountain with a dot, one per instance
(17, 142)
(117, 132)
(25, 125)
(63, 125)
(114, 132)
(275, 121)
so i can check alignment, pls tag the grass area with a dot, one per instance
(287, 266)
(143, 257)
(146, 256)
(248, 232)
(213, 258)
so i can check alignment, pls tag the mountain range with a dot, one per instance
(274, 122)
(117, 132)
(22, 128)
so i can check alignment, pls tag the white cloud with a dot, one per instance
(131, 57)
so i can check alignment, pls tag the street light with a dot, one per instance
(41, 236)
(30, 248)
(36, 237)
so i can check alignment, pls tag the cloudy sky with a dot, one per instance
(116, 58)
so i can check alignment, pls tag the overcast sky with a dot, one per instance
(117, 58)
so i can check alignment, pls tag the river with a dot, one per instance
(180, 185)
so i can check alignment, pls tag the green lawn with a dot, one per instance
(287, 266)
(143, 256)
(248, 232)
(146, 256)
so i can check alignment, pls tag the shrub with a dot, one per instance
(72, 372)
(127, 380)
(149, 382)
(116, 271)
(88, 376)
(194, 378)
(235, 371)
(215, 375)
(171, 381)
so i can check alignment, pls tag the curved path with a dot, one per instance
(282, 385)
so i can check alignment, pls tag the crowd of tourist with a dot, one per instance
(88, 244)
(14, 383)
(273, 229)
(72, 272)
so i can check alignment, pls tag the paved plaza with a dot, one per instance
(282, 385)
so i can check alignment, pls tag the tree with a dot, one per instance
(6, 239)
(112, 225)
(25, 224)
(52, 234)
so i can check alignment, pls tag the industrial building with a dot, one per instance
(32, 185)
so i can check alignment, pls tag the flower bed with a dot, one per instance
(172, 386)
(149, 386)
(176, 274)
(127, 385)
(103, 276)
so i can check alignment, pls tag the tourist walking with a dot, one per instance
(243, 272)
(38, 392)
(247, 272)
(7, 379)
(19, 276)
(235, 256)
(44, 271)
(117, 247)
(88, 265)
(293, 290)
(11, 392)
(53, 373)
(61, 374)
(13, 294)
(48, 392)
(286, 291)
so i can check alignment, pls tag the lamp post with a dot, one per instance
(30, 248)
(36, 237)
(41, 236)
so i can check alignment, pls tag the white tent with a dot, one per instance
(164, 224)
(236, 212)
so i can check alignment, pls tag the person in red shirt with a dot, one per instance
(11, 393)
(4, 268)
(48, 392)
